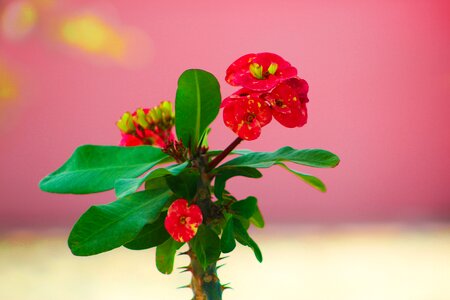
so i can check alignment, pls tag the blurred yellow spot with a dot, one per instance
(92, 35)
(8, 85)
(18, 19)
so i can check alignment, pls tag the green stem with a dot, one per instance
(205, 284)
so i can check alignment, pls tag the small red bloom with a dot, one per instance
(130, 140)
(259, 72)
(182, 221)
(154, 137)
(148, 126)
(288, 102)
(246, 113)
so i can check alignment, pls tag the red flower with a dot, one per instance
(246, 113)
(130, 140)
(288, 102)
(148, 126)
(259, 72)
(154, 137)
(182, 221)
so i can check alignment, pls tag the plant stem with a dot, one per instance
(205, 284)
(224, 154)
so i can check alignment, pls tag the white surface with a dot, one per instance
(367, 263)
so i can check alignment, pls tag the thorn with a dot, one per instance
(188, 286)
(185, 267)
(184, 253)
(225, 286)
(220, 266)
(187, 270)
(222, 258)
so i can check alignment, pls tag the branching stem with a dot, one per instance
(224, 154)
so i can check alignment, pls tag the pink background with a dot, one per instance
(379, 75)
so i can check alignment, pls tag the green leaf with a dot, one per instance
(317, 158)
(225, 173)
(156, 183)
(124, 187)
(204, 138)
(206, 246)
(309, 179)
(213, 153)
(151, 235)
(197, 104)
(227, 242)
(93, 169)
(165, 255)
(105, 227)
(257, 218)
(245, 208)
(244, 238)
(184, 185)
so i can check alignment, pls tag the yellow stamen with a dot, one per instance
(256, 70)
(272, 68)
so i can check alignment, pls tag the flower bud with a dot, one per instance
(126, 124)
(141, 118)
(155, 114)
(166, 107)
(167, 115)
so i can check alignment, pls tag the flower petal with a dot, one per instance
(288, 102)
(130, 140)
(272, 70)
(182, 222)
(245, 112)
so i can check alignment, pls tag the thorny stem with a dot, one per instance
(205, 284)
(224, 154)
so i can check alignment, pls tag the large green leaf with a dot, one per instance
(245, 208)
(165, 255)
(105, 227)
(185, 184)
(227, 242)
(151, 235)
(244, 238)
(309, 179)
(309, 157)
(197, 104)
(156, 183)
(93, 169)
(257, 218)
(206, 246)
(126, 186)
(225, 173)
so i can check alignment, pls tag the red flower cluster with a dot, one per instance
(148, 126)
(270, 88)
(182, 222)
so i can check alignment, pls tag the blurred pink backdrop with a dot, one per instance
(379, 75)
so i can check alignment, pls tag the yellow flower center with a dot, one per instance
(258, 72)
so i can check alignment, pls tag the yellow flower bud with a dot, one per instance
(141, 118)
(126, 124)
